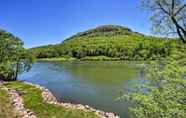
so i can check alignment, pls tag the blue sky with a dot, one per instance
(40, 22)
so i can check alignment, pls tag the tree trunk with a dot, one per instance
(185, 35)
(16, 71)
(181, 32)
(2, 77)
(183, 38)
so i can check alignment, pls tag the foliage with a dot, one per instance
(168, 16)
(33, 100)
(13, 57)
(104, 41)
(164, 93)
(105, 30)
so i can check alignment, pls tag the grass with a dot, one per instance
(6, 108)
(58, 59)
(34, 101)
(99, 58)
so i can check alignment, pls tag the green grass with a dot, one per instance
(58, 59)
(6, 108)
(34, 101)
(99, 58)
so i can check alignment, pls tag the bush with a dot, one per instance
(164, 95)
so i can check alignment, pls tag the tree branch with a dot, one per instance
(180, 35)
(173, 4)
(163, 9)
(180, 9)
(172, 8)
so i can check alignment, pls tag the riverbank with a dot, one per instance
(6, 108)
(44, 105)
(87, 58)
(57, 59)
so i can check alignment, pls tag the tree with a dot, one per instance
(14, 58)
(168, 16)
(164, 93)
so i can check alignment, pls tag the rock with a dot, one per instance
(86, 106)
(102, 112)
(110, 115)
(51, 99)
(30, 113)
(79, 106)
(93, 110)
(18, 104)
(97, 112)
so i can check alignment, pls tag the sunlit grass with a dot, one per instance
(6, 108)
(34, 101)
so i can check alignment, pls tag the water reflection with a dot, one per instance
(97, 84)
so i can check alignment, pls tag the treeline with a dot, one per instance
(124, 47)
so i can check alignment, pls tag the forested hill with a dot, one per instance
(105, 30)
(110, 41)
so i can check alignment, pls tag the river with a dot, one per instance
(97, 84)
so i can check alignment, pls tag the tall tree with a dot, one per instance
(14, 58)
(168, 16)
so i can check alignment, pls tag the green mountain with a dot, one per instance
(110, 41)
(105, 30)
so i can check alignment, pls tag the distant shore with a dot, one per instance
(87, 58)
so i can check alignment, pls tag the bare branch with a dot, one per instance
(162, 8)
(180, 9)
(168, 16)
(173, 5)
(172, 8)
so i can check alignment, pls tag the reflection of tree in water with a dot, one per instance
(99, 73)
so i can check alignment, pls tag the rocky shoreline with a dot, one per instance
(18, 104)
(49, 98)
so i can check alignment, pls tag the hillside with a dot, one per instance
(105, 30)
(110, 41)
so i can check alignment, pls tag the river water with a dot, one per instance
(97, 84)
